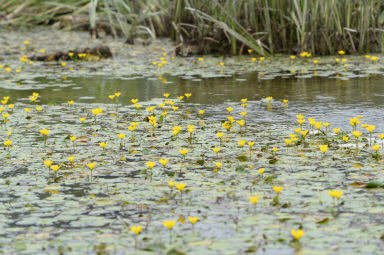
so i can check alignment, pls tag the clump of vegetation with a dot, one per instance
(219, 26)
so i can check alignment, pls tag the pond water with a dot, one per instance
(331, 99)
(76, 214)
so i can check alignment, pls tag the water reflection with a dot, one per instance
(329, 98)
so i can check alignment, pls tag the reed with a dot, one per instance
(224, 26)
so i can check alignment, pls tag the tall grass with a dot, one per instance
(227, 26)
(40, 12)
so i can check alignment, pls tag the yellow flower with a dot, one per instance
(335, 193)
(150, 109)
(292, 57)
(82, 119)
(180, 97)
(55, 168)
(121, 136)
(341, 52)
(285, 101)
(336, 130)
(201, 112)
(71, 158)
(91, 165)
(171, 183)
(134, 101)
(166, 95)
(297, 234)
(218, 164)
(8, 143)
(220, 135)
(163, 161)
(354, 121)
(226, 125)
(45, 132)
(324, 148)
(231, 119)
(184, 151)
(191, 128)
(376, 147)
(300, 121)
(370, 128)
(241, 143)
(241, 122)
(216, 149)
(176, 130)
(275, 149)
(63, 64)
(269, 99)
(229, 109)
(250, 144)
(97, 111)
(261, 170)
(103, 145)
(298, 130)
(26, 42)
(131, 128)
(187, 95)
(254, 199)
(27, 110)
(345, 138)
(151, 164)
(169, 223)
(381, 136)
(326, 124)
(374, 58)
(277, 189)
(315, 61)
(136, 229)
(48, 163)
(193, 220)
(38, 108)
(356, 133)
(111, 97)
(180, 186)
(201, 59)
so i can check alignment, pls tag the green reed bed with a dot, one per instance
(222, 26)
